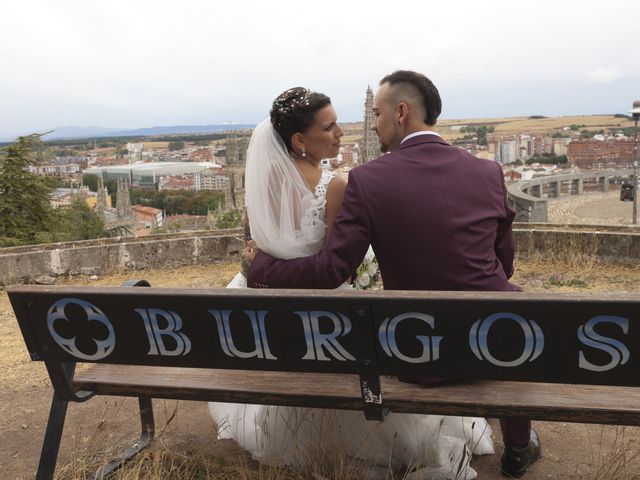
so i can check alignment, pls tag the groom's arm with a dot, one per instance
(504, 246)
(343, 251)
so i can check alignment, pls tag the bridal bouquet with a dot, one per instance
(368, 273)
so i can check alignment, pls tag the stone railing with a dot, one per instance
(559, 243)
(528, 198)
(104, 256)
(578, 244)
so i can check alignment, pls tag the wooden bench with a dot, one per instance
(557, 357)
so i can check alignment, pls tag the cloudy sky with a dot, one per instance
(143, 63)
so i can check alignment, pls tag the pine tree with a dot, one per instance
(78, 222)
(25, 211)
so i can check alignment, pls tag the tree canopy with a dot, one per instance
(231, 219)
(91, 181)
(25, 210)
(548, 158)
(26, 215)
(178, 202)
(480, 132)
(77, 222)
(177, 145)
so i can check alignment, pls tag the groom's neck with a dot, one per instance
(417, 127)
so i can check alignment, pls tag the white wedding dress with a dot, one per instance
(431, 446)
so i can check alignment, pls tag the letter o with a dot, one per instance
(529, 335)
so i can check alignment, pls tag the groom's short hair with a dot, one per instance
(417, 86)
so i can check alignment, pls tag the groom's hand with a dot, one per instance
(248, 254)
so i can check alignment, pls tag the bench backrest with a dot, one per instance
(567, 338)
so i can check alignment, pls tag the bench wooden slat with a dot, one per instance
(539, 401)
(242, 386)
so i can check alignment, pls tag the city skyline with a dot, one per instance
(143, 64)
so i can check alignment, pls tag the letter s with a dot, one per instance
(617, 350)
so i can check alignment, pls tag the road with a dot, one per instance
(594, 208)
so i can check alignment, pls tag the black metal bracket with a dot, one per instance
(368, 365)
(61, 376)
(136, 283)
(146, 437)
(51, 443)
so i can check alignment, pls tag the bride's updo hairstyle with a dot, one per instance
(293, 112)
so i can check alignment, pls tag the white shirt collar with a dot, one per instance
(415, 134)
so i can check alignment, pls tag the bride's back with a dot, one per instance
(288, 202)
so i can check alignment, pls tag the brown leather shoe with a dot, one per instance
(515, 461)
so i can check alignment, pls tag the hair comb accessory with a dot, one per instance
(290, 99)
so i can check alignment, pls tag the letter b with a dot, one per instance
(155, 333)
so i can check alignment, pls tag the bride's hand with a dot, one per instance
(248, 254)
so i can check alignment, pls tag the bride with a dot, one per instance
(291, 203)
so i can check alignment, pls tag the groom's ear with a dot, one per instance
(402, 112)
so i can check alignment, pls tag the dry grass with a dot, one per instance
(351, 139)
(156, 145)
(613, 460)
(574, 251)
(574, 268)
(173, 456)
(517, 125)
(554, 123)
(176, 454)
(509, 125)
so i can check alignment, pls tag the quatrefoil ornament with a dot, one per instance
(58, 313)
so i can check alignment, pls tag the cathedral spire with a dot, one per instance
(369, 145)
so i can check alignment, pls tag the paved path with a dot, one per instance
(594, 208)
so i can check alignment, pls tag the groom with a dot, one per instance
(436, 216)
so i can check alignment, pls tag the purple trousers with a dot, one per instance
(516, 431)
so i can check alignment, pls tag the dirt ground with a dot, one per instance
(95, 428)
(570, 450)
(25, 395)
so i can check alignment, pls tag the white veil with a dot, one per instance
(279, 205)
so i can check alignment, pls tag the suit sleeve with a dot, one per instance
(504, 245)
(342, 253)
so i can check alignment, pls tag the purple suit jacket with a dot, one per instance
(436, 216)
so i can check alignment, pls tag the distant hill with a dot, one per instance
(72, 132)
(535, 124)
(178, 129)
(448, 128)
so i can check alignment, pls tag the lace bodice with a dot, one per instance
(314, 221)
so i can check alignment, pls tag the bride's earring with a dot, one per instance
(304, 154)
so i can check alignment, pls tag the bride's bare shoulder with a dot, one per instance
(337, 184)
(335, 192)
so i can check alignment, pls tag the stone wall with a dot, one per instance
(25, 264)
(578, 247)
(100, 257)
